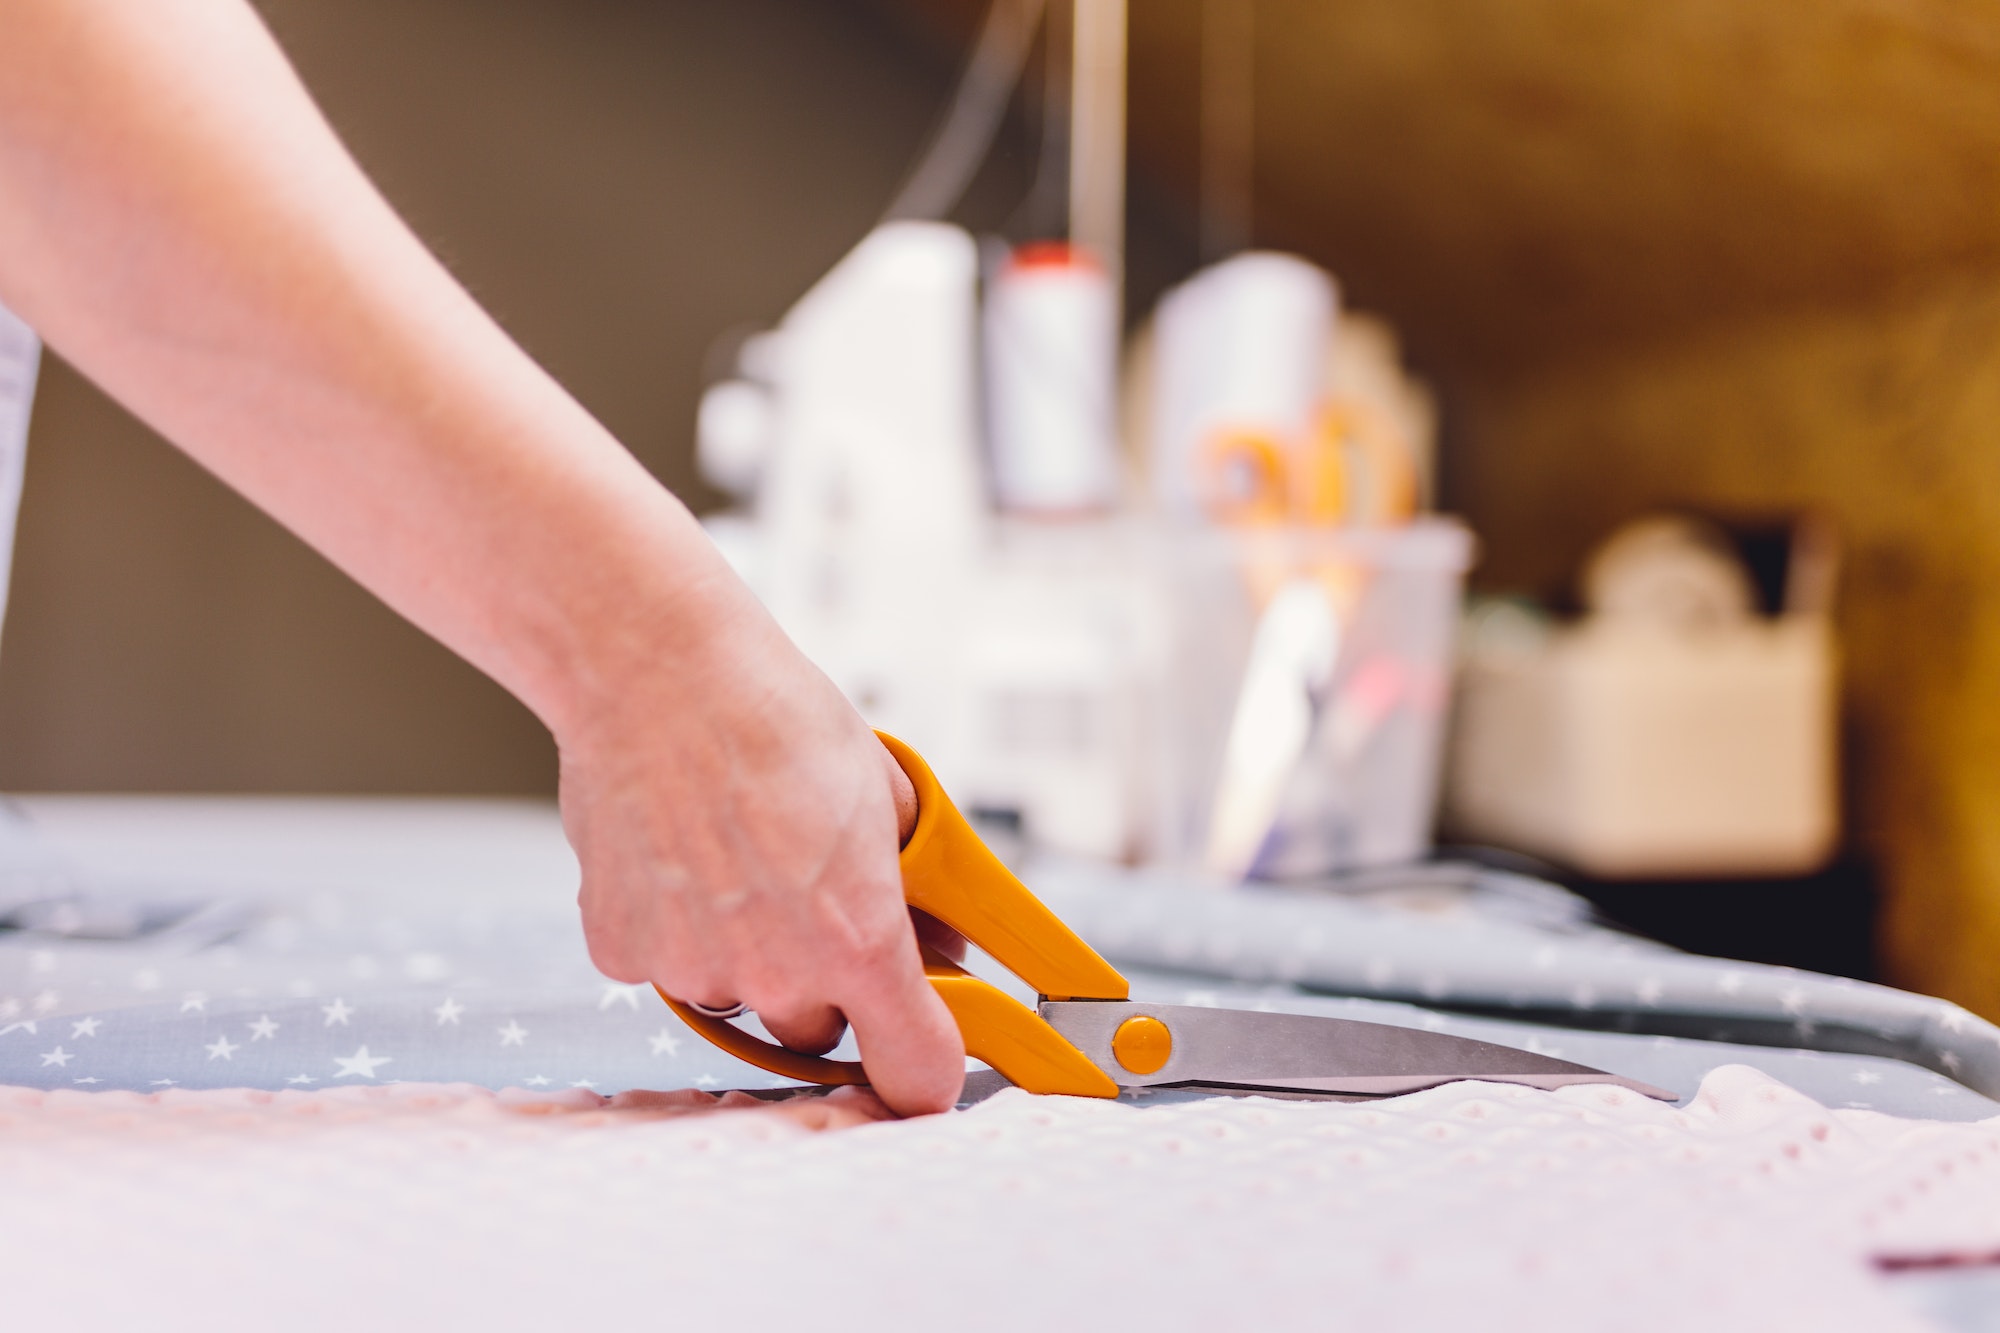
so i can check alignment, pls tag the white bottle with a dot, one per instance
(1051, 352)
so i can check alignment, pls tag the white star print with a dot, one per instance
(146, 978)
(1729, 982)
(196, 1001)
(615, 993)
(337, 1012)
(222, 1048)
(9, 1007)
(706, 1080)
(1650, 991)
(42, 960)
(85, 1027)
(262, 1028)
(90, 1079)
(58, 1057)
(513, 1034)
(539, 1081)
(665, 1041)
(360, 1064)
(162, 1083)
(25, 1025)
(448, 1012)
(302, 1078)
(46, 1001)
(1866, 1076)
(1793, 1001)
(1953, 1020)
(583, 1083)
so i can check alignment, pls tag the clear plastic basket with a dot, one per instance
(1363, 788)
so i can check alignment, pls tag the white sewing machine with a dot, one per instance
(1022, 656)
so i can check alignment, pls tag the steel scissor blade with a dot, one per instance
(1246, 1049)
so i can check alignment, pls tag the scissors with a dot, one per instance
(1087, 1037)
(1353, 465)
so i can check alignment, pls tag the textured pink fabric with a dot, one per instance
(1468, 1206)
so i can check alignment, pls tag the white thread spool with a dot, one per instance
(1051, 366)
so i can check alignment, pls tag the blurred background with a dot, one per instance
(1691, 256)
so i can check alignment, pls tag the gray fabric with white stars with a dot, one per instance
(308, 944)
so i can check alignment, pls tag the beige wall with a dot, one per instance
(620, 181)
(1885, 415)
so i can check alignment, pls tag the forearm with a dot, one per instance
(210, 255)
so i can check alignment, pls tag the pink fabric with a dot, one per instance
(1467, 1206)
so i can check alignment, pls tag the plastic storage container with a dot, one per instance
(1302, 742)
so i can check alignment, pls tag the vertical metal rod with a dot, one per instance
(1097, 132)
(1228, 125)
(1047, 207)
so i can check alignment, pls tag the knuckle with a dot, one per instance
(611, 952)
(614, 961)
(886, 947)
(617, 965)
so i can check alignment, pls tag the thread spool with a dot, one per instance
(1051, 353)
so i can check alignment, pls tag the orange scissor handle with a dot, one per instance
(1244, 478)
(951, 874)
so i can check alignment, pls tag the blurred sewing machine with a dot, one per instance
(1223, 642)
(1164, 600)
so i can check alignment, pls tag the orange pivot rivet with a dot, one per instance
(1142, 1044)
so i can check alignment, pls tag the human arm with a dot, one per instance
(178, 221)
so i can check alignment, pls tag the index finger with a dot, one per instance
(910, 1044)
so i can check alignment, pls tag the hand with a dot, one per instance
(738, 826)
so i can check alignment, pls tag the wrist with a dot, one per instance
(629, 604)
(677, 641)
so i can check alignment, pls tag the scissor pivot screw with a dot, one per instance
(1142, 1044)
